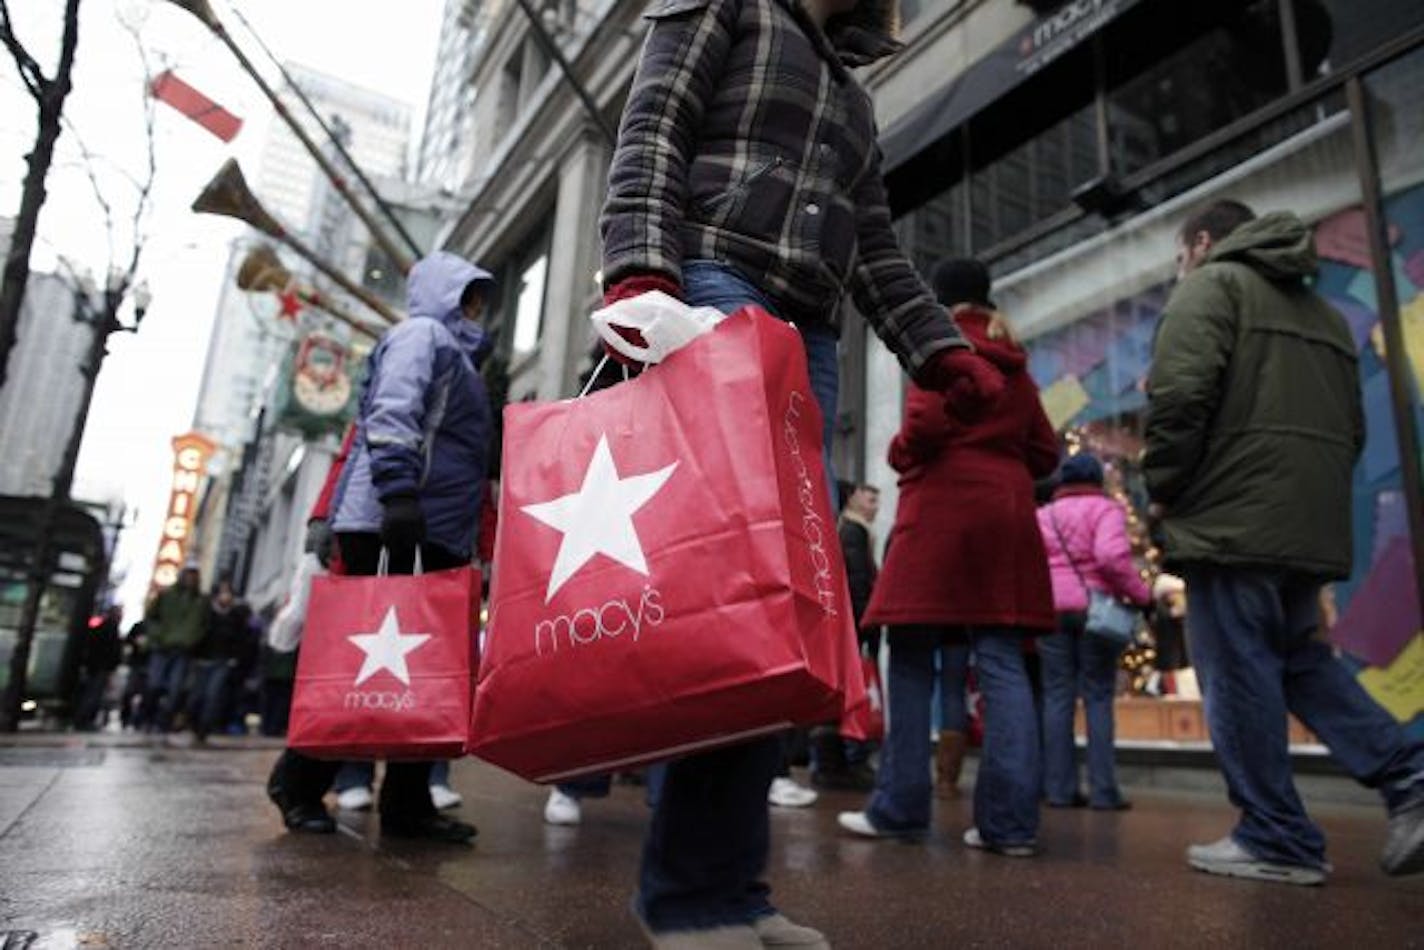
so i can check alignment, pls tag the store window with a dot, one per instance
(1332, 34)
(529, 306)
(1158, 105)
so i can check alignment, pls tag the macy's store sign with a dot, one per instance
(190, 462)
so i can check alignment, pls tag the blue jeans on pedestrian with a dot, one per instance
(167, 675)
(1077, 664)
(1006, 791)
(1254, 641)
(953, 686)
(209, 703)
(707, 845)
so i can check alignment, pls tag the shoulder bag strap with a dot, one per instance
(1063, 543)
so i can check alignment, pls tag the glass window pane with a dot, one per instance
(1235, 65)
(1334, 33)
(529, 311)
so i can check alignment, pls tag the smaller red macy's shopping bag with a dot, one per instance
(387, 667)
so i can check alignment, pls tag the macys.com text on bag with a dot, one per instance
(811, 522)
(608, 621)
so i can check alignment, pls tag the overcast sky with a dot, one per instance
(149, 384)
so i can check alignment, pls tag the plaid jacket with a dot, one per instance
(746, 140)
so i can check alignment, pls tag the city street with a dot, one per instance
(112, 843)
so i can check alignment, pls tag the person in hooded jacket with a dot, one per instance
(747, 173)
(1254, 426)
(967, 565)
(414, 481)
(227, 649)
(1085, 533)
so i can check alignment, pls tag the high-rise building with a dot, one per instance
(446, 147)
(43, 387)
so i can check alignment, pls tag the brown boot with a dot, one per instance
(949, 757)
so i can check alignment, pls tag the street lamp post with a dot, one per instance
(105, 322)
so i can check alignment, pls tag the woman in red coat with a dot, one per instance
(967, 565)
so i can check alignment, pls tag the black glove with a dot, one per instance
(319, 540)
(403, 523)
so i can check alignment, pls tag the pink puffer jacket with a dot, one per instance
(1094, 529)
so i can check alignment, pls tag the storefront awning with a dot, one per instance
(1003, 69)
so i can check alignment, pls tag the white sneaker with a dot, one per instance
(786, 793)
(355, 799)
(974, 839)
(562, 809)
(443, 797)
(858, 823)
(1229, 859)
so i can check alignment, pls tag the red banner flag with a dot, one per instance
(168, 88)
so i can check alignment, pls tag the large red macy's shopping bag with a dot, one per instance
(387, 667)
(668, 575)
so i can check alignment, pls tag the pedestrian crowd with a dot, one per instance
(1007, 588)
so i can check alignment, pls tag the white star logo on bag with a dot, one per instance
(387, 649)
(598, 518)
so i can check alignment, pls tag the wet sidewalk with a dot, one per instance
(122, 844)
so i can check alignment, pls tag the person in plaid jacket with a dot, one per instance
(747, 173)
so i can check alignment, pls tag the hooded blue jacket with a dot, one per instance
(424, 425)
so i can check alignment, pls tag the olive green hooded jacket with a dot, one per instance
(1255, 421)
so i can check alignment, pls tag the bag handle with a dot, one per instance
(383, 562)
(665, 323)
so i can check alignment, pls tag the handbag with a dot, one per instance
(1108, 617)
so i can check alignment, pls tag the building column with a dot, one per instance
(574, 257)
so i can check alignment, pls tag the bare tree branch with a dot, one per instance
(90, 166)
(142, 207)
(29, 70)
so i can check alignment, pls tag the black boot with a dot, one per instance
(431, 827)
(299, 817)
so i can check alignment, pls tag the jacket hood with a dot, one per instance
(433, 290)
(1278, 245)
(973, 321)
(867, 33)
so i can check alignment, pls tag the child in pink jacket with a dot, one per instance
(1085, 534)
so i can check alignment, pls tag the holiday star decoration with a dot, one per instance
(598, 518)
(387, 649)
(291, 306)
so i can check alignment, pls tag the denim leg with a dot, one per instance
(953, 683)
(1364, 738)
(1058, 654)
(1097, 683)
(440, 773)
(1236, 618)
(707, 844)
(1006, 793)
(354, 775)
(901, 801)
(214, 687)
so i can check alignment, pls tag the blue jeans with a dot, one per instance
(953, 686)
(363, 775)
(1253, 640)
(707, 846)
(1076, 664)
(167, 675)
(1006, 791)
(209, 702)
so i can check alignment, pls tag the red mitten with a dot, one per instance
(972, 383)
(627, 288)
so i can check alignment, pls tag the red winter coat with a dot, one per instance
(966, 548)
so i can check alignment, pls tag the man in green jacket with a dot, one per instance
(175, 624)
(1253, 429)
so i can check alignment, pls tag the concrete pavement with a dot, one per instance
(106, 844)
